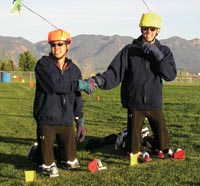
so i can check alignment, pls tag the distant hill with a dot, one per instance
(11, 47)
(98, 50)
(186, 53)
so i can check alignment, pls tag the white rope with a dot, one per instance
(146, 6)
(39, 15)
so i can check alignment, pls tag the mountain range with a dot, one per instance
(97, 51)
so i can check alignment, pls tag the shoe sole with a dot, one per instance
(54, 175)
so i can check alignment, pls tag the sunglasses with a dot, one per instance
(149, 28)
(56, 44)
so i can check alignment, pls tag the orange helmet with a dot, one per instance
(59, 34)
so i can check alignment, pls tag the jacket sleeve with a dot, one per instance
(78, 105)
(167, 66)
(115, 71)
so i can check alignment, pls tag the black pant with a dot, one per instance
(135, 121)
(65, 137)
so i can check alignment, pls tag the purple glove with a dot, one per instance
(149, 48)
(80, 132)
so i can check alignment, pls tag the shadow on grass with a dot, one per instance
(194, 183)
(14, 98)
(20, 141)
(16, 115)
(107, 152)
(107, 149)
(176, 126)
(18, 161)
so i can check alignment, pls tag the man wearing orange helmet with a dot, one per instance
(140, 68)
(57, 104)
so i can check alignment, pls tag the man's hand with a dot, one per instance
(80, 132)
(92, 83)
(149, 48)
(96, 81)
(86, 86)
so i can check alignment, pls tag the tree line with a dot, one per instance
(26, 63)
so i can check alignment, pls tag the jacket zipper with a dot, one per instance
(145, 84)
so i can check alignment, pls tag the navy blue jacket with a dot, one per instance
(140, 75)
(56, 101)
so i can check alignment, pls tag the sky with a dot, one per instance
(99, 17)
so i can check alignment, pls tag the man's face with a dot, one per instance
(149, 33)
(59, 48)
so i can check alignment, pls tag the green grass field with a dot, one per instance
(182, 114)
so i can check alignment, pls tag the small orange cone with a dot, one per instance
(31, 84)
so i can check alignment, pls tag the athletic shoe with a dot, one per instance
(44, 169)
(70, 164)
(54, 171)
(158, 154)
(161, 154)
(146, 157)
(170, 153)
(51, 170)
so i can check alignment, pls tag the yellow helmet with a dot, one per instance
(150, 20)
(59, 34)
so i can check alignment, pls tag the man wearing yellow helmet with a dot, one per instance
(150, 24)
(57, 104)
(140, 68)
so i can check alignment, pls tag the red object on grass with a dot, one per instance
(161, 154)
(179, 154)
(93, 166)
